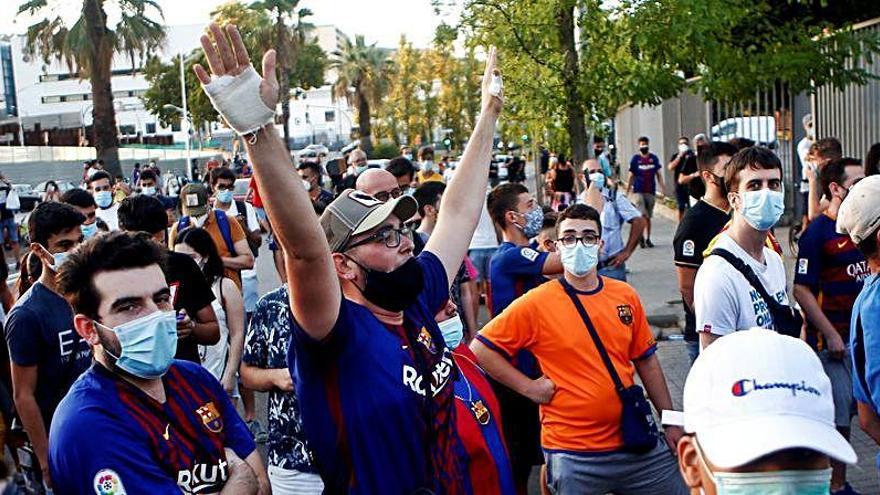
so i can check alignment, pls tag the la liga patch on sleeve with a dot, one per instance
(107, 482)
(802, 266)
(529, 254)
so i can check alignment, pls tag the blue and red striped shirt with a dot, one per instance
(108, 436)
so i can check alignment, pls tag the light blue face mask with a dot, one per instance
(358, 170)
(224, 196)
(104, 199)
(580, 259)
(428, 165)
(534, 221)
(148, 344)
(762, 209)
(58, 259)
(452, 330)
(794, 482)
(89, 230)
(149, 191)
(598, 178)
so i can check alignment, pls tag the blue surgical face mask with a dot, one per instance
(580, 259)
(58, 259)
(762, 209)
(148, 344)
(104, 199)
(224, 196)
(148, 191)
(534, 221)
(452, 330)
(89, 230)
(428, 165)
(598, 178)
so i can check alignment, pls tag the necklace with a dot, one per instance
(478, 408)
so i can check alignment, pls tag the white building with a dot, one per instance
(48, 96)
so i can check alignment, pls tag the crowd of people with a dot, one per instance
(136, 336)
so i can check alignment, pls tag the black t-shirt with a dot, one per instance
(189, 291)
(5, 213)
(696, 230)
(686, 166)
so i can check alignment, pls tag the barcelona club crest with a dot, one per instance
(210, 417)
(625, 313)
(426, 340)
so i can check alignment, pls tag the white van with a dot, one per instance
(761, 129)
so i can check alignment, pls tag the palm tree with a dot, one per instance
(288, 34)
(88, 46)
(360, 80)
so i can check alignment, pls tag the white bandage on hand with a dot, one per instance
(496, 86)
(237, 99)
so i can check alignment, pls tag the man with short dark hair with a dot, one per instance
(46, 352)
(148, 185)
(311, 174)
(191, 295)
(827, 280)
(645, 173)
(580, 407)
(403, 169)
(682, 164)
(85, 203)
(516, 268)
(724, 299)
(697, 228)
(822, 152)
(138, 418)
(101, 187)
(429, 171)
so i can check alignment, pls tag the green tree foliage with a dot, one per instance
(362, 81)
(164, 80)
(87, 47)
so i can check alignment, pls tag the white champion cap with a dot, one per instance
(756, 392)
(859, 214)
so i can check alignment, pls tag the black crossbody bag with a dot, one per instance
(786, 320)
(637, 420)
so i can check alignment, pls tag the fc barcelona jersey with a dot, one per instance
(109, 437)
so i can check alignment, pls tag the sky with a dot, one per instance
(380, 21)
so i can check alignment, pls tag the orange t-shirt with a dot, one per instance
(584, 414)
(236, 233)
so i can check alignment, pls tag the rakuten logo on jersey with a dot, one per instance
(203, 478)
(439, 377)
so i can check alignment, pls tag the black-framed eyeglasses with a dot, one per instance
(384, 196)
(570, 240)
(389, 236)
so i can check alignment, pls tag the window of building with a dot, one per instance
(151, 128)
(51, 99)
(329, 116)
(126, 130)
(175, 126)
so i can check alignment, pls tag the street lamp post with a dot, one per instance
(185, 120)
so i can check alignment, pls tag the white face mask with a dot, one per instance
(682, 148)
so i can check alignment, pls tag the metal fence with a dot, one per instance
(852, 114)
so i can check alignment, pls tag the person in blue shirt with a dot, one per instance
(645, 172)
(139, 421)
(616, 210)
(859, 217)
(370, 360)
(46, 353)
(516, 268)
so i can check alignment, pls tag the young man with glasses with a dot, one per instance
(828, 278)
(363, 305)
(580, 406)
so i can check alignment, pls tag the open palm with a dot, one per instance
(227, 56)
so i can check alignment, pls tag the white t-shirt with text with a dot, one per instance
(725, 302)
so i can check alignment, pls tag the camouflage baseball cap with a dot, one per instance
(355, 212)
(194, 199)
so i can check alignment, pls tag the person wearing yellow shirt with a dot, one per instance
(428, 172)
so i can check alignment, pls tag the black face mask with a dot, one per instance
(644, 150)
(597, 151)
(719, 182)
(395, 290)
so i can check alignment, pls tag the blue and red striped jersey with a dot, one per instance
(478, 420)
(834, 269)
(377, 400)
(108, 436)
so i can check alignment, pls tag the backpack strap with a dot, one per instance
(182, 223)
(749, 274)
(225, 232)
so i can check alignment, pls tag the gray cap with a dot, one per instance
(859, 214)
(355, 212)
(194, 199)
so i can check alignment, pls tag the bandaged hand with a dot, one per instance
(244, 99)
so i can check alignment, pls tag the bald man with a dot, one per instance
(380, 184)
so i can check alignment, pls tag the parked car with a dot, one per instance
(63, 186)
(27, 196)
(760, 129)
(241, 189)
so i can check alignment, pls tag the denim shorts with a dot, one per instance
(481, 258)
(12, 227)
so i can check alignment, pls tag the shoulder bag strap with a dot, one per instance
(749, 274)
(618, 385)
